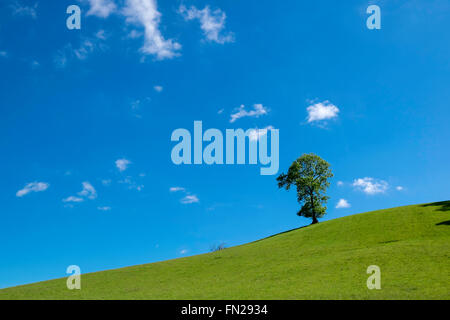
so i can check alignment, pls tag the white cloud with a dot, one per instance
(184, 251)
(212, 23)
(32, 187)
(399, 188)
(101, 8)
(370, 185)
(105, 208)
(322, 111)
(158, 88)
(176, 189)
(106, 182)
(342, 203)
(122, 164)
(21, 10)
(258, 110)
(3, 54)
(340, 183)
(88, 191)
(220, 111)
(73, 199)
(256, 134)
(144, 13)
(189, 199)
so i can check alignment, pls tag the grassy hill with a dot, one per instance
(410, 244)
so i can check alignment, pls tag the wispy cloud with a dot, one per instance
(105, 208)
(87, 46)
(399, 188)
(22, 10)
(322, 111)
(370, 186)
(100, 34)
(32, 187)
(217, 205)
(144, 13)
(340, 183)
(132, 184)
(3, 54)
(257, 111)
(212, 23)
(342, 204)
(101, 8)
(122, 164)
(61, 57)
(176, 189)
(34, 64)
(73, 199)
(158, 88)
(134, 34)
(138, 104)
(184, 251)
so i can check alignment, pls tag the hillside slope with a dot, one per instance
(410, 244)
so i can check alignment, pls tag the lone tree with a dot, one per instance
(310, 174)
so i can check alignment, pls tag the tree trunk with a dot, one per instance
(313, 210)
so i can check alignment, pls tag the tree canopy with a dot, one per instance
(310, 174)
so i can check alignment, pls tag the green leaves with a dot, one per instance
(310, 174)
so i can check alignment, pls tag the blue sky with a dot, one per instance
(86, 119)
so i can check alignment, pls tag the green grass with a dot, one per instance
(410, 244)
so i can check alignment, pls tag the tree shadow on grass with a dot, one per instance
(389, 241)
(444, 205)
(277, 234)
(444, 223)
